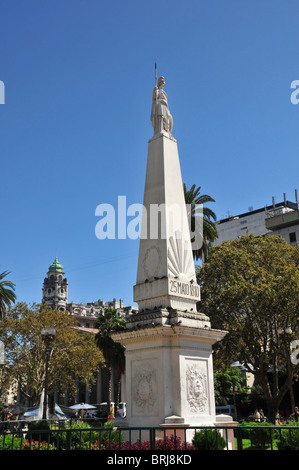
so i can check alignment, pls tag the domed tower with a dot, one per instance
(55, 287)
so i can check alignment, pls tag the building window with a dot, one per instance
(293, 237)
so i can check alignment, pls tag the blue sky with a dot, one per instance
(75, 125)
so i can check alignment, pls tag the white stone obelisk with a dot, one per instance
(166, 273)
(169, 370)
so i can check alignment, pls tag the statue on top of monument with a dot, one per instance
(160, 115)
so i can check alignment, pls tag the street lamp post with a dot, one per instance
(234, 391)
(48, 335)
(286, 336)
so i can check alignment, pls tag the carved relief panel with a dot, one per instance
(196, 387)
(144, 388)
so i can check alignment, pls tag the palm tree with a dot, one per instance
(7, 294)
(107, 324)
(193, 199)
(119, 366)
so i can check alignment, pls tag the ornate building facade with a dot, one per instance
(55, 287)
(55, 294)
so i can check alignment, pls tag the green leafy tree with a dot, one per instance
(74, 354)
(250, 287)
(195, 202)
(7, 293)
(224, 380)
(107, 324)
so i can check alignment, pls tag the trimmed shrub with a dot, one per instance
(208, 439)
(39, 431)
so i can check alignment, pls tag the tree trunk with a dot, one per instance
(109, 375)
(274, 398)
(117, 391)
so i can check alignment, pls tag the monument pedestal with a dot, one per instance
(169, 370)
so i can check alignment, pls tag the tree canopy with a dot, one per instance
(250, 287)
(74, 354)
(224, 380)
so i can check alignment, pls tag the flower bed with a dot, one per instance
(169, 443)
(36, 445)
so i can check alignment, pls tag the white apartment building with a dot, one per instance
(281, 219)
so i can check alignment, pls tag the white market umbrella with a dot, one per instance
(83, 406)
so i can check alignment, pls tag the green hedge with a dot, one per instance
(289, 438)
(9, 442)
(81, 436)
(258, 433)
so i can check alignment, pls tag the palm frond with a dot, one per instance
(7, 293)
(195, 203)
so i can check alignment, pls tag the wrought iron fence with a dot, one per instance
(66, 435)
